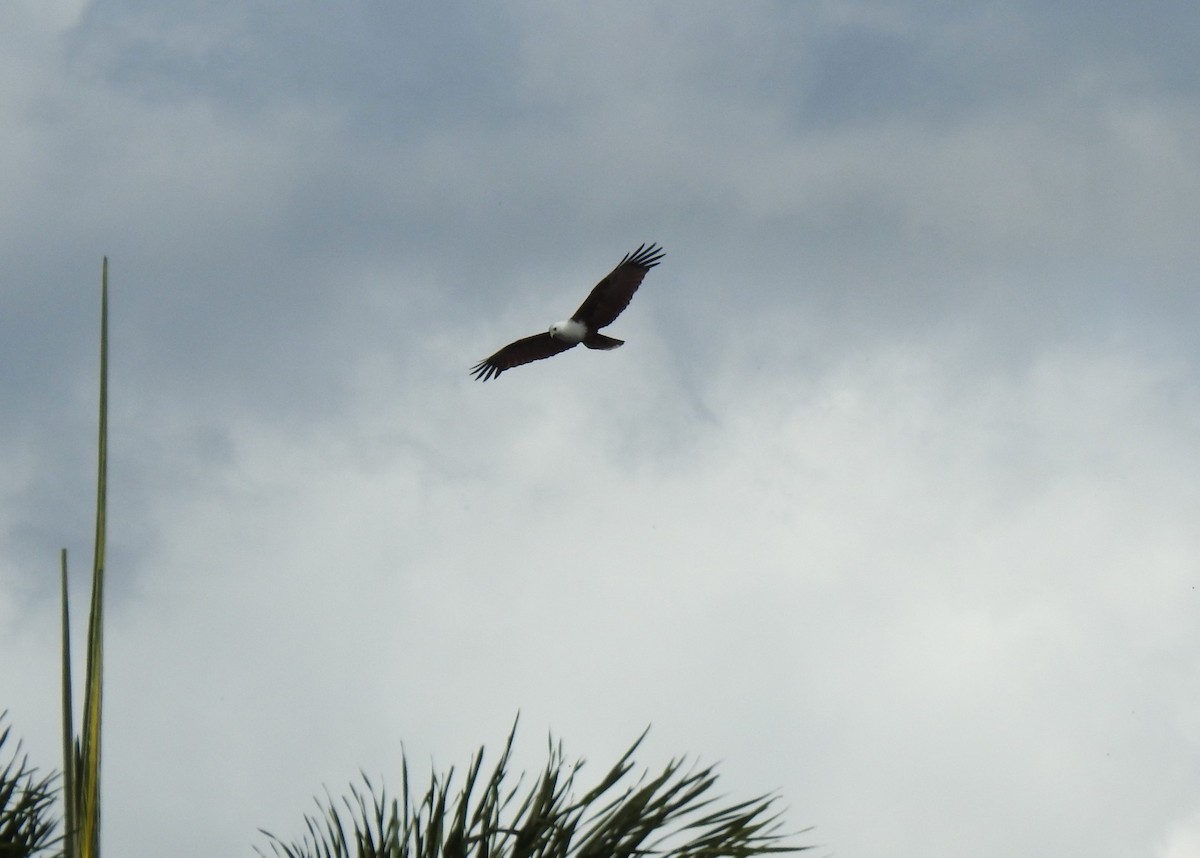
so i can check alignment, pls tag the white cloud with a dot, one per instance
(945, 591)
(1183, 839)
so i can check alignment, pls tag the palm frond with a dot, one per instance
(670, 814)
(26, 802)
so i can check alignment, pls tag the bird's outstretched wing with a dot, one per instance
(526, 350)
(612, 294)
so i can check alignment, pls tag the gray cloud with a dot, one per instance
(886, 503)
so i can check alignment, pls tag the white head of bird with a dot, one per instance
(568, 331)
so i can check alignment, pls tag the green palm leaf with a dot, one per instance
(81, 754)
(26, 823)
(652, 816)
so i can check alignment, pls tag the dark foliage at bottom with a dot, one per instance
(26, 822)
(670, 814)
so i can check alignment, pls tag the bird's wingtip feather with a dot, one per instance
(484, 371)
(646, 256)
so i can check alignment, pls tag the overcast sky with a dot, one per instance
(889, 503)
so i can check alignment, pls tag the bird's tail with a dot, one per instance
(599, 341)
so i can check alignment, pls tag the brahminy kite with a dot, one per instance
(607, 300)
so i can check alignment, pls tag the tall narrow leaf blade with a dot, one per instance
(89, 772)
(70, 821)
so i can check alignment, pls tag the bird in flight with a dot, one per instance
(606, 301)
